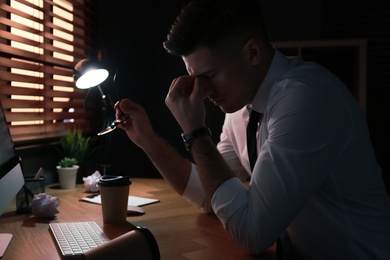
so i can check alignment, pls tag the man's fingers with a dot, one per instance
(183, 85)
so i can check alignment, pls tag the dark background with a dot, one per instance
(131, 36)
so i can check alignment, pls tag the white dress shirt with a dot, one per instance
(316, 176)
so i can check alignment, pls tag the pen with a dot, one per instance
(38, 174)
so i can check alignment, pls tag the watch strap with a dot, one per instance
(189, 137)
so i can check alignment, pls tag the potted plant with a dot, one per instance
(67, 172)
(74, 148)
(75, 145)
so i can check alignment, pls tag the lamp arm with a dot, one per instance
(104, 97)
(115, 85)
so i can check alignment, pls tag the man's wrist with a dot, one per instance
(191, 136)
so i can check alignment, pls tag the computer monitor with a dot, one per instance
(11, 175)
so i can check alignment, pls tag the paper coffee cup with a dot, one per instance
(114, 194)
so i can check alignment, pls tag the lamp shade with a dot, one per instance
(89, 73)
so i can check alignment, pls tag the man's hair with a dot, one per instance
(214, 24)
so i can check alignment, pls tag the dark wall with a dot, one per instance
(293, 20)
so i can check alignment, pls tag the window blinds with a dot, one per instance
(40, 42)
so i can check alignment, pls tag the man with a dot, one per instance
(316, 183)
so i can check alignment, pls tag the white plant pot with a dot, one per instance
(67, 176)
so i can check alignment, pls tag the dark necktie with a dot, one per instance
(251, 129)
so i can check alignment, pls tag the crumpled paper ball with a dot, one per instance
(44, 205)
(91, 182)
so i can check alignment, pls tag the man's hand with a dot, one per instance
(185, 100)
(138, 127)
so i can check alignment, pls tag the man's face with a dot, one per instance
(229, 82)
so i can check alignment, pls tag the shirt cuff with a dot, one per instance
(194, 191)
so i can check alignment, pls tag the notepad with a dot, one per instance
(133, 200)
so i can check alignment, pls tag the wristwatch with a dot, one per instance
(193, 135)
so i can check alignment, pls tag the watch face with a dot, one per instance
(183, 136)
(187, 146)
(186, 143)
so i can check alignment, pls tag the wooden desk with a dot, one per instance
(181, 231)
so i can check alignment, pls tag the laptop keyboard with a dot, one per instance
(75, 238)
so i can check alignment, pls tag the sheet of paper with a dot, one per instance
(133, 200)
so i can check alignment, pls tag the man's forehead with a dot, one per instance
(199, 62)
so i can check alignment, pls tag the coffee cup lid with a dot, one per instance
(114, 181)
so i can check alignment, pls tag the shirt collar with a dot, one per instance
(278, 66)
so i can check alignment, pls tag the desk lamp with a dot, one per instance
(88, 74)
